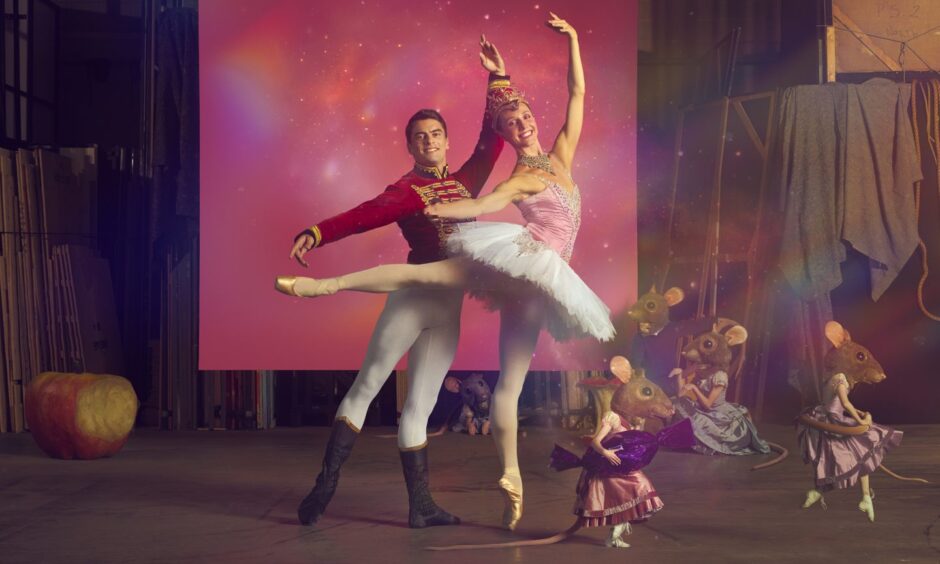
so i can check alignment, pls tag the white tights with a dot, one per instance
(450, 273)
(519, 325)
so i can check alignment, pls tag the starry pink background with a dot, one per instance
(303, 106)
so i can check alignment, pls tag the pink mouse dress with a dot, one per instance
(840, 460)
(515, 258)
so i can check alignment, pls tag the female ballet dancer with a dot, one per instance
(520, 270)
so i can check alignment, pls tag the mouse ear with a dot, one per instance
(652, 289)
(736, 335)
(621, 368)
(452, 384)
(673, 296)
(837, 334)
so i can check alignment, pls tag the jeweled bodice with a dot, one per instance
(553, 217)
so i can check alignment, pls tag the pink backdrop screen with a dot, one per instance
(303, 108)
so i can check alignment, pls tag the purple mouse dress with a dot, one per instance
(840, 460)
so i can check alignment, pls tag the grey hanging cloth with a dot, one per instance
(811, 153)
(847, 170)
(881, 167)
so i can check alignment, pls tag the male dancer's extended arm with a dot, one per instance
(389, 206)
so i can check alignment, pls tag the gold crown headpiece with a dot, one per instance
(499, 96)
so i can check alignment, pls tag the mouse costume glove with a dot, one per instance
(422, 511)
(337, 451)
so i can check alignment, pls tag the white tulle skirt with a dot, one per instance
(515, 263)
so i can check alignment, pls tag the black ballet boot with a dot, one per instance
(422, 511)
(337, 451)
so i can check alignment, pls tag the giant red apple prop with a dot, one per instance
(80, 415)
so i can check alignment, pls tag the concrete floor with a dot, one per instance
(231, 497)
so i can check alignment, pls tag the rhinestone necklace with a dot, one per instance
(541, 162)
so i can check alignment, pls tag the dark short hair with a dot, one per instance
(424, 114)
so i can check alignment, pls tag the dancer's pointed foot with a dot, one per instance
(867, 506)
(812, 496)
(285, 285)
(304, 287)
(511, 487)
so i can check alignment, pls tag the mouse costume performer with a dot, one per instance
(475, 412)
(839, 460)
(844, 449)
(720, 426)
(426, 322)
(609, 495)
(723, 428)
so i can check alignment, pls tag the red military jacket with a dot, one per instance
(405, 200)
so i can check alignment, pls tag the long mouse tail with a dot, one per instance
(899, 477)
(776, 448)
(536, 542)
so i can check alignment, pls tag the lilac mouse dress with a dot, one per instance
(840, 460)
(725, 428)
(514, 258)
